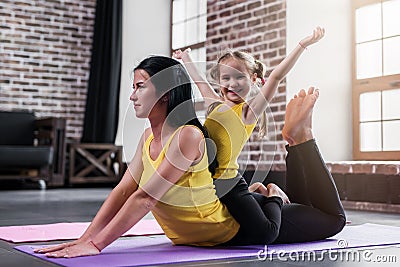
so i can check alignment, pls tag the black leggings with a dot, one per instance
(315, 211)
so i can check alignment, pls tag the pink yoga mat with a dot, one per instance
(157, 250)
(64, 231)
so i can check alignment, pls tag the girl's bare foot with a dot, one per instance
(298, 117)
(258, 188)
(276, 191)
(271, 190)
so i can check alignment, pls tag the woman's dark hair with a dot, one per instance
(170, 79)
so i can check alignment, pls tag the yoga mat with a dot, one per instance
(156, 250)
(64, 231)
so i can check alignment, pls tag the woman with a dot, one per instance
(169, 172)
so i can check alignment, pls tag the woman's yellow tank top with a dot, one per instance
(190, 212)
(227, 130)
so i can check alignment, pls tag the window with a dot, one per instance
(376, 80)
(189, 29)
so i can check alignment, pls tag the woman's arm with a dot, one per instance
(206, 90)
(118, 196)
(259, 103)
(113, 203)
(182, 152)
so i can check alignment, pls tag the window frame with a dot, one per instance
(359, 86)
(199, 103)
(192, 46)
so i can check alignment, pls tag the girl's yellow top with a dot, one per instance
(227, 130)
(190, 212)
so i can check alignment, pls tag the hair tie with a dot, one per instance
(262, 81)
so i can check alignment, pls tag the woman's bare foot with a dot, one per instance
(298, 118)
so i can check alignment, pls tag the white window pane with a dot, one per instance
(369, 60)
(370, 136)
(202, 28)
(201, 114)
(391, 20)
(202, 7)
(195, 57)
(192, 31)
(368, 23)
(191, 9)
(196, 93)
(178, 11)
(194, 54)
(202, 55)
(391, 105)
(370, 106)
(391, 133)
(201, 60)
(391, 55)
(178, 35)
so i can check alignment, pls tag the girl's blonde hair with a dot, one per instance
(253, 66)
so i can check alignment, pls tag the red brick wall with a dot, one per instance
(258, 27)
(45, 49)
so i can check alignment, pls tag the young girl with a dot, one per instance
(231, 122)
(231, 118)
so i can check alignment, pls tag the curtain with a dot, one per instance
(102, 103)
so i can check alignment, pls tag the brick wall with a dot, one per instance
(258, 27)
(45, 49)
(368, 185)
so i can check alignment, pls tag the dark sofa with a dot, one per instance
(32, 148)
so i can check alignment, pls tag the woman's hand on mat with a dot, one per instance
(77, 250)
(56, 248)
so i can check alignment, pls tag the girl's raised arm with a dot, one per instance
(206, 90)
(259, 103)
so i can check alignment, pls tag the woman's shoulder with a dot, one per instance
(147, 132)
(189, 133)
(187, 141)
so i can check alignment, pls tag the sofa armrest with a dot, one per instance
(51, 132)
(47, 130)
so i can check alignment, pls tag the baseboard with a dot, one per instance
(370, 206)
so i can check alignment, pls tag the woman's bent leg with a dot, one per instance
(324, 216)
(296, 187)
(321, 187)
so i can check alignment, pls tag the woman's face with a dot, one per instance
(144, 95)
(234, 79)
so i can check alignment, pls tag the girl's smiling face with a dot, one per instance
(235, 80)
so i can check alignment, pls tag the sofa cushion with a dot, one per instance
(16, 128)
(25, 156)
